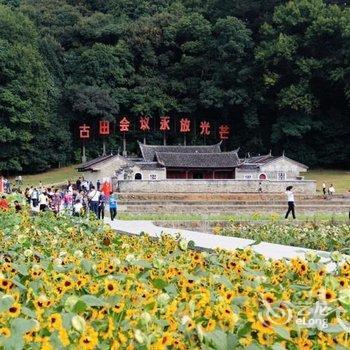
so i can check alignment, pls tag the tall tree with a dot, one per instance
(25, 89)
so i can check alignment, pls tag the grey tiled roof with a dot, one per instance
(148, 166)
(257, 161)
(248, 166)
(260, 159)
(149, 151)
(91, 163)
(198, 160)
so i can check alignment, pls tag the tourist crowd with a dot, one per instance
(79, 199)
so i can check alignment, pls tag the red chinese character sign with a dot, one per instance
(164, 126)
(104, 128)
(144, 123)
(185, 127)
(224, 132)
(164, 123)
(84, 134)
(84, 131)
(144, 126)
(205, 128)
(124, 125)
(104, 131)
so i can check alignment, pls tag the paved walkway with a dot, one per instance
(211, 241)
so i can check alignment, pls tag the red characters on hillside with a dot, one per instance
(124, 125)
(164, 123)
(205, 128)
(185, 125)
(224, 132)
(84, 131)
(104, 127)
(144, 123)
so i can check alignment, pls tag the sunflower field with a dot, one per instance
(312, 235)
(70, 283)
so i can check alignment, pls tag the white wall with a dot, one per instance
(213, 186)
(272, 169)
(146, 173)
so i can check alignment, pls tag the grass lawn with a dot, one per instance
(51, 177)
(339, 178)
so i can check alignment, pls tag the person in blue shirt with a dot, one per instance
(113, 205)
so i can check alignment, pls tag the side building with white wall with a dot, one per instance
(270, 167)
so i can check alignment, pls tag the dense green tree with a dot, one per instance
(25, 94)
(276, 70)
(304, 56)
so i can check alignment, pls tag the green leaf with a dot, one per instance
(278, 346)
(224, 280)
(6, 302)
(159, 283)
(254, 347)
(28, 312)
(15, 342)
(91, 300)
(21, 268)
(86, 265)
(80, 306)
(171, 289)
(21, 325)
(216, 340)
(143, 263)
(282, 332)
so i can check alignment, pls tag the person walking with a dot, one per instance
(101, 206)
(290, 199)
(331, 190)
(56, 201)
(43, 201)
(324, 188)
(35, 197)
(94, 197)
(113, 205)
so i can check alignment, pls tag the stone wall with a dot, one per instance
(212, 186)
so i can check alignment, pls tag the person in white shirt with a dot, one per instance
(290, 199)
(324, 188)
(43, 201)
(77, 208)
(94, 197)
(331, 190)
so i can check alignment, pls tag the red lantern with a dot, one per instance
(104, 127)
(185, 125)
(84, 131)
(124, 125)
(224, 131)
(205, 128)
(164, 123)
(144, 123)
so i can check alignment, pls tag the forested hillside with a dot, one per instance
(278, 71)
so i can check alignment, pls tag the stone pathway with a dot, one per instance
(211, 241)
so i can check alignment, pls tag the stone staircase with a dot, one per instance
(158, 203)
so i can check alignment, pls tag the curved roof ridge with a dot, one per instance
(147, 145)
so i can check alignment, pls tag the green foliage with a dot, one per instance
(278, 71)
